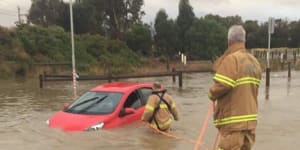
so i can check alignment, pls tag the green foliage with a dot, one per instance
(207, 39)
(252, 29)
(49, 42)
(121, 14)
(86, 18)
(139, 39)
(281, 35)
(225, 21)
(53, 45)
(119, 58)
(113, 17)
(184, 21)
(48, 12)
(97, 22)
(294, 34)
(166, 34)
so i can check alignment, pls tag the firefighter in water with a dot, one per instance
(237, 78)
(159, 109)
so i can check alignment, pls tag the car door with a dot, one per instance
(134, 101)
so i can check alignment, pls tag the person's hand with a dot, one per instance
(211, 97)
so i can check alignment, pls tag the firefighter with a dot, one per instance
(235, 90)
(159, 109)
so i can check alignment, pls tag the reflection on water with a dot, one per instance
(288, 86)
(267, 92)
(25, 108)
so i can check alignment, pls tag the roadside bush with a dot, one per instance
(53, 44)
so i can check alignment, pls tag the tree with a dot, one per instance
(233, 20)
(207, 38)
(166, 35)
(85, 15)
(252, 29)
(262, 36)
(280, 38)
(225, 21)
(294, 34)
(139, 39)
(184, 22)
(47, 12)
(121, 14)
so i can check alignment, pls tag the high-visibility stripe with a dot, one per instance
(163, 106)
(247, 80)
(149, 107)
(233, 83)
(235, 119)
(163, 125)
(224, 79)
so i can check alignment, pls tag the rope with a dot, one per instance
(169, 135)
(204, 126)
(199, 142)
(215, 146)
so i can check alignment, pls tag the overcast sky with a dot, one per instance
(248, 9)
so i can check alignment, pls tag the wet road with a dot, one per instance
(25, 108)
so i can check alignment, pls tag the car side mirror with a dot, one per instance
(129, 111)
(66, 105)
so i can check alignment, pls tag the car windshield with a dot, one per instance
(95, 103)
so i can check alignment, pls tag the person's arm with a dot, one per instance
(149, 108)
(224, 78)
(173, 110)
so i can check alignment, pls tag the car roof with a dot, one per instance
(122, 87)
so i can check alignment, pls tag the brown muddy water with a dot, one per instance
(25, 108)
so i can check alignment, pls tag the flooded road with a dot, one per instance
(25, 109)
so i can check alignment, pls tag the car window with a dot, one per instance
(133, 101)
(95, 103)
(145, 93)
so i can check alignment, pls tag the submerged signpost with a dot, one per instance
(270, 31)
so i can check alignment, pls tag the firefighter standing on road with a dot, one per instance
(159, 109)
(235, 91)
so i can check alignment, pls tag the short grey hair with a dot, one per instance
(237, 33)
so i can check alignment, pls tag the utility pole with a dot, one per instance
(19, 14)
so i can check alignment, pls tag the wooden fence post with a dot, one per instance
(289, 69)
(268, 77)
(173, 76)
(180, 79)
(41, 81)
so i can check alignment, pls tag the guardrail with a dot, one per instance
(50, 77)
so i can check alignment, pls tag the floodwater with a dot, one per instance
(25, 108)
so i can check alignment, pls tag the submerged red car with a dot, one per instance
(105, 106)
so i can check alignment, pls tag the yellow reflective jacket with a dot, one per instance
(237, 78)
(163, 115)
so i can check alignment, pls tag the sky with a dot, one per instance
(249, 9)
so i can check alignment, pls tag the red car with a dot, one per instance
(105, 106)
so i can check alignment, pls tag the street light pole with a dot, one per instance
(73, 51)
